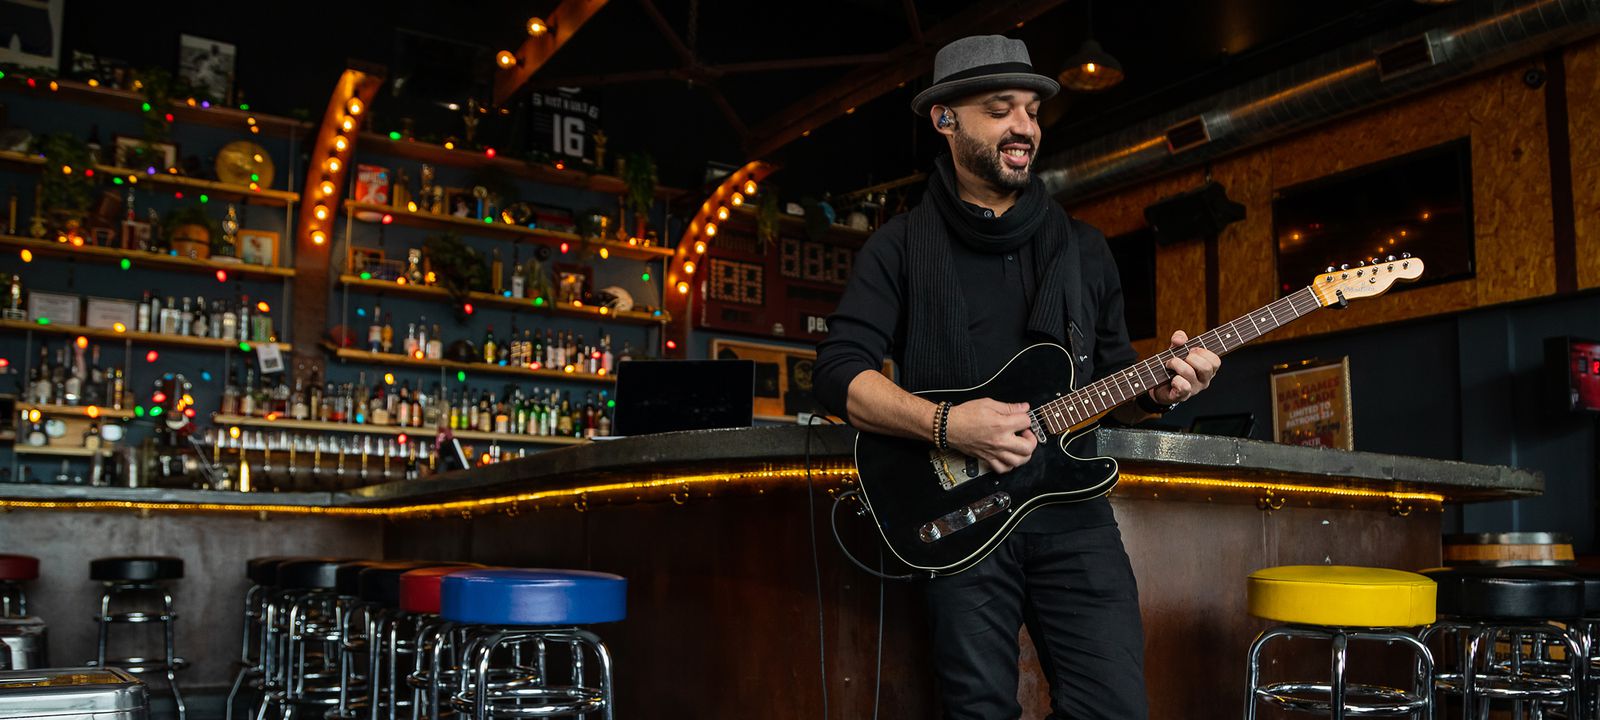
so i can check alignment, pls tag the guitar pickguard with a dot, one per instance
(953, 468)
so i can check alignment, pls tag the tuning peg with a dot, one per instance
(1361, 263)
(1344, 266)
(1389, 259)
(1330, 269)
(1405, 255)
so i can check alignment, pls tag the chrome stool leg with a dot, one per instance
(1338, 698)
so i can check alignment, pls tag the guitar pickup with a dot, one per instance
(965, 517)
(953, 468)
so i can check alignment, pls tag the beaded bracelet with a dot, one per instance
(941, 426)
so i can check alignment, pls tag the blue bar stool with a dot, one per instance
(131, 587)
(515, 619)
(1505, 628)
(1340, 604)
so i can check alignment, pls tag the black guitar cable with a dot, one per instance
(816, 566)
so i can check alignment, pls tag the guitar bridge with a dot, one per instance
(953, 468)
(965, 517)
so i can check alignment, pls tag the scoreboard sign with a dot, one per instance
(783, 289)
(563, 122)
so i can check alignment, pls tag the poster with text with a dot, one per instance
(1311, 405)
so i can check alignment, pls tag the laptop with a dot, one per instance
(657, 396)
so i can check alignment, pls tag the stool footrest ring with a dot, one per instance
(1360, 700)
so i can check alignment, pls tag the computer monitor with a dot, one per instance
(656, 396)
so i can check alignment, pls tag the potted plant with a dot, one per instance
(64, 196)
(189, 231)
(639, 175)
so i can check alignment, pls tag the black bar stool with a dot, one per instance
(394, 637)
(135, 582)
(436, 666)
(263, 574)
(1501, 624)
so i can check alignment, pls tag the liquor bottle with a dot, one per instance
(142, 324)
(536, 351)
(202, 320)
(388, 334)
(301, 410)
(603, 425)
(608, 361)
(169, 317)
(490, 349)
(519, 281)
(229, 328)
(118, 389)
(627, 352)
(245, 326)
(411, 340)
(590, 424)
(378, 410)
(247, 398)
(497, 271)
(186, 317)
(435, 344)
(314, 411)
(564, 419)
(375, 330)
(72, 393)
(230, 395)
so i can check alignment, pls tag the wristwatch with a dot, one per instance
(1149, 405)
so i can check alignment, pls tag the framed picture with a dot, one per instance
(107, 313)
(103, 236)
(35, 29)
(59, 308)
(572, 281)
(1311, 404)
(137, 154)
(135, 235)
(783, 377)
(365, 259)
(258, 247)
(552, 218)
(459, 202)
(372, 185)
(207, 65)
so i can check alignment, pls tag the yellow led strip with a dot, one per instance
(826, 475)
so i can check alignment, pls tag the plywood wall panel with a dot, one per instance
(1583, 125)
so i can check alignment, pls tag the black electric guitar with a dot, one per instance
(941, 511)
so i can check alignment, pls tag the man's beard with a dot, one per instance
(984, 161)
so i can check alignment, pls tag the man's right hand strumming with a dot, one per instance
(992, 431)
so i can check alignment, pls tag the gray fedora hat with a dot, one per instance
(982, 62)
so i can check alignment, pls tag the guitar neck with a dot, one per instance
(1106, 393)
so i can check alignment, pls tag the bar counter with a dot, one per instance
(732, 564)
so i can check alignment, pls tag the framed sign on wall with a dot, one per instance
(783, 387)
(1311, 404)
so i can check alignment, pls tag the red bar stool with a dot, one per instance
(435, 665)
(14, 570)
(393, 640)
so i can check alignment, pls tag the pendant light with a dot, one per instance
(1091, 69)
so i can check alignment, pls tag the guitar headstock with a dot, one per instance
(1369, 278)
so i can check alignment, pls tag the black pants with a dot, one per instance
(1076, 592)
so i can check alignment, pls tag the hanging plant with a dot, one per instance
(65, 194)
(639, 175)
(767, 218)
(458, 268)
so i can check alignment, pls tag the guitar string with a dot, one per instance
(1298, 304)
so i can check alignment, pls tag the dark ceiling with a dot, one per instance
(1173, 51)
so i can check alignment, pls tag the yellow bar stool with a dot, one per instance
(1341, 604)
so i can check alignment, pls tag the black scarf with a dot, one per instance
(938, 353)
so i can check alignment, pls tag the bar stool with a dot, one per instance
(262, 573)
(1589, 632)
(1525, 612)
(135, 581)
(354, 618)
(363, 650)
(1341, 604)
(435, 665)
(14, 570)
(518, 613)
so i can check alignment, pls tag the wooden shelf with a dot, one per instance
(51, 450)
(112, 256)
(843, 233)
(182, 341)
(373, 358)
(256, 197)
(439, 155)
(25, 161)
(469, 226)
(74, 411)
(130, 101)
(418, 432)
(479, 299)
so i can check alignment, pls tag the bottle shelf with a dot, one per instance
(140, 258)
(261, 196)
(75, 411)
(182, 341)
(441, 155)
(379, 358)
(481, 299)
(131, 101)
(415, 432)
(54, 451)
(477, 227)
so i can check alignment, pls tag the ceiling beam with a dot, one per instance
(906, 63)
(913, 21)
(671, 35)
(535, 51)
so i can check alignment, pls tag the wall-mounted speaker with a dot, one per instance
(1198, 213)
